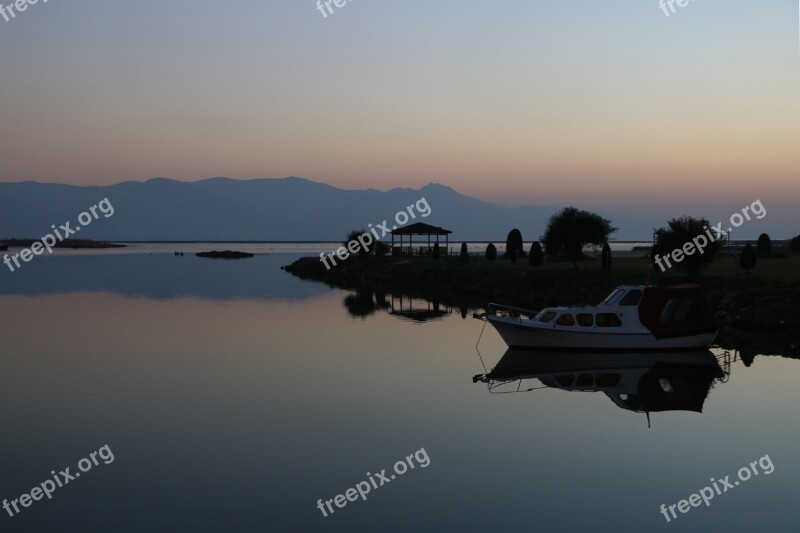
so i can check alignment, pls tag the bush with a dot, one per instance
(605, 258)
(794, 244)
(764, 245)
(678, 232)
(536, 256)
(514, 245)
(354, 236)
(436, 251)
(491, 252)
(381, 249)
(747, 259)
(464, 252)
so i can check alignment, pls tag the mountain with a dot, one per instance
(288, 209)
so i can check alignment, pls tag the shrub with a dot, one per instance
(747, 259)
(464, 252)
(605, 258)
(764, 245)
(491, 252)
(536, 257)
(354, 236)
(794, 244)
(436, 251)
(514, 244)
(678, 232)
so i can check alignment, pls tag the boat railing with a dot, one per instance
(511, 311)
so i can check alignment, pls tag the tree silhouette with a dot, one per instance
(764, 245)
(569, 230)
(514, 244)
(353, 236)
(536, 255)
(605, 258)
(794, 244)
(677, 234)
(747, 259)
(491, 252)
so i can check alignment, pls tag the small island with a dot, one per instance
(225, 254)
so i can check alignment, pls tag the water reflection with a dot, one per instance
(365, 302)
(159, 276)
(642, 383)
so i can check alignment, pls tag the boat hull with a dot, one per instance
(522, 334)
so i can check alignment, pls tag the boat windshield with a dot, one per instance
(614, 296)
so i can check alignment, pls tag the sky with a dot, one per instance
(604, 105)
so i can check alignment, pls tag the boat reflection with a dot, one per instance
(642, 383)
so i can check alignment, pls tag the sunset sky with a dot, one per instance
(600, 104)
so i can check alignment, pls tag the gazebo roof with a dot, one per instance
(420, 228)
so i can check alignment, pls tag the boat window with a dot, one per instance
(547, 317)
(608, 320)
(565, 320)
(632, 298)
(676, 309)
(607, 380)
(585, 319)
(669, 309)
(614, 296)
(565, 381)
(584, 380)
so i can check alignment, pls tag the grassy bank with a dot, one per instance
(768, 297)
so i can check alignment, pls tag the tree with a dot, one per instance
(491, 252)
(514, 245)
(747, 259)
(605, 258)
(764, 245)
(536, 256)
(464, 252)
(569, 230)
(436, 251)
(684, 235)
(355, 236)
(794, 244)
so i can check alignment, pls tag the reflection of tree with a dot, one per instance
(361, 304)
(380, 301)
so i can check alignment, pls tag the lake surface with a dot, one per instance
(234, 397)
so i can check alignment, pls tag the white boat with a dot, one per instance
(632, 317)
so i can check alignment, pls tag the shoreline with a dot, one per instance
(767, 300)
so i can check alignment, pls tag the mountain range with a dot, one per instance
(287, 209)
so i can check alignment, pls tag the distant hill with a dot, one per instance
(288, 209)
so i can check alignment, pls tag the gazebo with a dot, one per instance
(418, 228)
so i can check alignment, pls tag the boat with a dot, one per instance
(632, 317)
(634, 381)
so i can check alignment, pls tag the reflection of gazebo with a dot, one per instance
(419, 228)
(403, 306)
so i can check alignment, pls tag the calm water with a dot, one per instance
(234, 397)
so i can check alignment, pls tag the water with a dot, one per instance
(234, 396)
